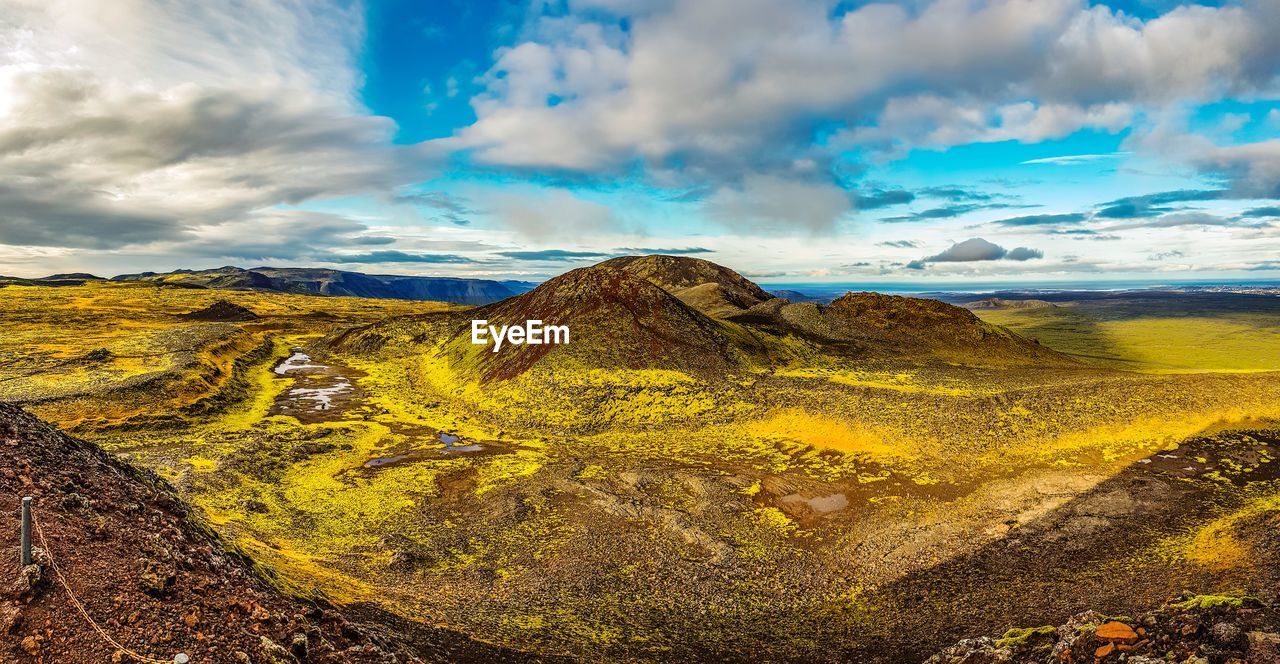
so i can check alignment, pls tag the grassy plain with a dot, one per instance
(798, 511)
(1228, 332)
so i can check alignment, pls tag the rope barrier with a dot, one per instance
(75, 601)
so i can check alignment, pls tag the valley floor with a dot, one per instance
(823, 511)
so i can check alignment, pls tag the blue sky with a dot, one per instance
(795, 140)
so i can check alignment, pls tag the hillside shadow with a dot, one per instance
(1095, 552)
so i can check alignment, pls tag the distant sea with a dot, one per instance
(836, 289)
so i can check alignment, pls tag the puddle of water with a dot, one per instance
(386, 461)
(321, 397)
(832, 503)
(298, 362)
(324, 392)
(319, 392)
(451, 446)
(816, 505)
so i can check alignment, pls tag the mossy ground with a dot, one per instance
(634, 513)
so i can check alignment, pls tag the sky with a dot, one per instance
(793, 140)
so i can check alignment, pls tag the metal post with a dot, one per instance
(26, 531)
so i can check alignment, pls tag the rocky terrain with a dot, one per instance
(1199, 629)
(222, 311)
(872, 480)
(154, 577)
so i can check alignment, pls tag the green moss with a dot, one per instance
(1207, 602)
(1021, 636)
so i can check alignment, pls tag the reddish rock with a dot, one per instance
(1116, 632)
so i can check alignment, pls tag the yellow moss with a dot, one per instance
(593, 471)
(776, 520)
(502, 470)
(830, 433)
(1241, 342)
(1217, 546)
(200, 464)
(898, 382)
(304, 575)
(1207, 602)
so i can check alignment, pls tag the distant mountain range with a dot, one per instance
(316, 281)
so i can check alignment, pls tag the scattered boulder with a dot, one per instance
(10, 617)
(31, 645)
(275, 653)
(1204, 628)
(404, 560)
(222, 311)
(1115, 632)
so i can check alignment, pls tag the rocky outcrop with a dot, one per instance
(1194, 630)
(222, 311)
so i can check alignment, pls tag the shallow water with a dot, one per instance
(299, 361)
(319, 391)
(451, 446)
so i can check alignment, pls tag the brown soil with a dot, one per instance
(158, 580)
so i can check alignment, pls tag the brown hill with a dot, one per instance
(713, 289)
(625, 313)
(616, 320)
(1001, 303)
(892, 326)
(155, 578)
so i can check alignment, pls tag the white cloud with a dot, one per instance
(976, 250)
(133, 122)
(1074, 159)
(738, 86)
(773, 204)
(1249, 170)
(549, 214)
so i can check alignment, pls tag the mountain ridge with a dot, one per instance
(326, 281)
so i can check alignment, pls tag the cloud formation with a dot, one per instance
(775, 204)
(946, 212)
(974, 250)
(580, 94)
(1044, 220)
(1268, 211)
(1075, 159)
(450, 208)
(393, 257)
(552, 255)
(1175, 220)
(106, 141)
(1148, 205)
(549, 213)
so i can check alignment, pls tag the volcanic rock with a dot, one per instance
(222, 311)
